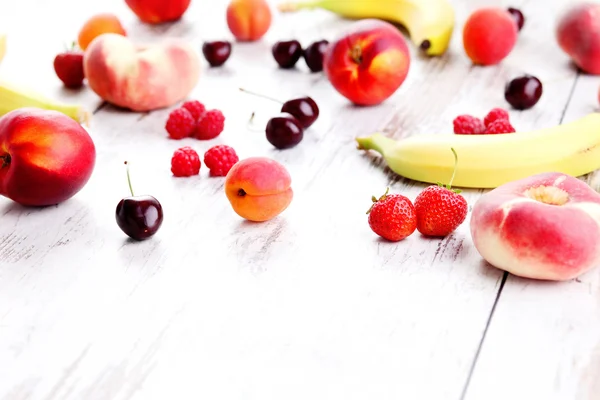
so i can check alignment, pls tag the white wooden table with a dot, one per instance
(310, 305)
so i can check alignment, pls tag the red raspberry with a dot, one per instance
(210, 125)
(185, 162)
(195, 108)
(180, 124)
(468, 125)
(500, 126)
(494, 115)
(219, 159)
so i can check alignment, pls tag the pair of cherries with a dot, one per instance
(286, 130)
(288, 52)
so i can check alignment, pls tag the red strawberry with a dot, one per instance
(392, 217)
(440, 209)
(69, 68)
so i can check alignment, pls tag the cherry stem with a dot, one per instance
(261, 95)
(250, 123)
(129, 179)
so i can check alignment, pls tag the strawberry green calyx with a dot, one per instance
(375, 199)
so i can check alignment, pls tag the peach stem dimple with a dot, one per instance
(5, 160)
(241, 192)
(548, 195)
(356, 54)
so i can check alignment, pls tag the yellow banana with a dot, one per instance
(430, 23)
(13, 97)
(488, 161)
(2, 46)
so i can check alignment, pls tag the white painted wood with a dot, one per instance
(309, 305)
(544, 338)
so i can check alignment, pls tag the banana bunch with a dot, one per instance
(488, 161)
(2, 46)
(430, 23)
(13, 97)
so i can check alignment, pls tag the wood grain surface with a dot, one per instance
(310, 305)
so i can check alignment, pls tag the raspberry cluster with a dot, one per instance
(496, 121)
(219, 159)
(192, 119)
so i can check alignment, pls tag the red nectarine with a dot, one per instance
(46, 157)
(158, 11)
(368, 62)
(546, 226)
(258, 188)
(578, 35)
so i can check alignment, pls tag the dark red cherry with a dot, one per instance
(517, 16)
(287, 53)
(139, 217)
(304, 109)
(313, 55)
(216, 53)
(284, 131)
(523, 92)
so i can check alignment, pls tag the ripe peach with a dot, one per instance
(158, 11)
(546, 226)
(489, 35)
(248, 20)
(96, 26)
(578, 35)
(368, 62)
(258, 188)
(141, 78)
(45, 157)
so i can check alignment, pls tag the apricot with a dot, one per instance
(258, 188)
(96, 26)
(248, 20)
(489, 35)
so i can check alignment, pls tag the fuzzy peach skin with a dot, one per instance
(489, 35)
(141, 78)
(258, 188)
(368, 62)
(546, 226)
(158, 11)
(248, 20)
(578, 35)
(45, 157)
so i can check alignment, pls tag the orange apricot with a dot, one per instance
(258, 188)
(96, 26)
(248, 20)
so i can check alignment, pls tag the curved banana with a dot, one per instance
(488, 161)
(14, 96)
(430, 23)
(2, 46)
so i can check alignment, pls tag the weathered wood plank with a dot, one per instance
(544, 336)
